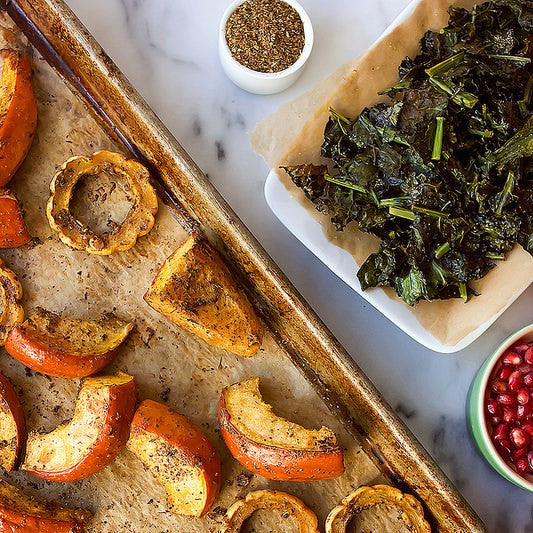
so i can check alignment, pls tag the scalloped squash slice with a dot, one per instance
(195, 290)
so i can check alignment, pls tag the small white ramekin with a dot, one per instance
(263, 82)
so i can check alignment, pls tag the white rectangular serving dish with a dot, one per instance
(296, 218)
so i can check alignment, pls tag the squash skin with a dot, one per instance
(34, 347)
(157, 421)
(19, 111)
(274, 462)
(10, 408)
(20, 513)
(364, 497)
(11, 296)
(13, 232)
(78, 235)
(195, 290)
(112, 435)
(287, 504)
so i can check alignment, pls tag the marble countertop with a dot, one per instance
(168, 49)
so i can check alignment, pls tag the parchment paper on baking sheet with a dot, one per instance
(299, 125)
(170, 365)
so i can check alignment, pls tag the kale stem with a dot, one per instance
(393, 201)
(401, 212)
(430, 212)
(437, 142)
(444, 66)
(442, 249)
(488, 255)
(481, 133)
(338, 116)
(463, 291)
(506, 192)
(518, 59)
(346, 184)
(459, 97)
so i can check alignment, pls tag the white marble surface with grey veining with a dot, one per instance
(168, 49)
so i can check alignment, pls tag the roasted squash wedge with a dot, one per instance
(10, 297)
(411, 511)
(78, 235)
(93, 437)
(13, 232)
(195, 290)
(275, 500)
(12, 425)
(271, 446)
(179, 455)
(18, 113)
(22, 514)
(66, 348)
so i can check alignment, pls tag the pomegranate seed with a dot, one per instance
(528, 379)
(499, 386)
(493, 407)
(519, 437)
(495, 420)
(514, 381)
(522, 465)
(504, 447)
(528, 356)
(522, 396)
(525, 368)
(506, 399)
(509, 415)
(528, 428)
(505, 372)
(512, 358)
(500, 432)
(520, 347)
(530, 459)
(521, 452)
(524, 411)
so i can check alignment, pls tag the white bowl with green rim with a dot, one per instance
(264, 82)
(476, 417)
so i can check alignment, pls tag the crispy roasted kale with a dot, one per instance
(442, 173)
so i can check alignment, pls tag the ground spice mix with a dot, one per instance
(265, 35)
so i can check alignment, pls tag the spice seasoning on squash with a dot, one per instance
(265, 35)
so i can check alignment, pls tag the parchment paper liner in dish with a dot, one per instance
(170, 365)
(299, 125)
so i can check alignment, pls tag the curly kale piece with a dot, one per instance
(442, 172)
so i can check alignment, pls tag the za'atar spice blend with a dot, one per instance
(265, 35)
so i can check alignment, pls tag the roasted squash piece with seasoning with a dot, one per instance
(93, 437)
(271, 446)
(22, 514)
(66, 348)
(12, 425)
(195, 290)
(179, 455)
(73, 232)
(274, 500)
(10, 301)
(410, 509)
(18, 113)
(13, 232)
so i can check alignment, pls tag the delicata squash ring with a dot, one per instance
(412, 513)
(274, 500)
(78, 235)
(10, 296)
